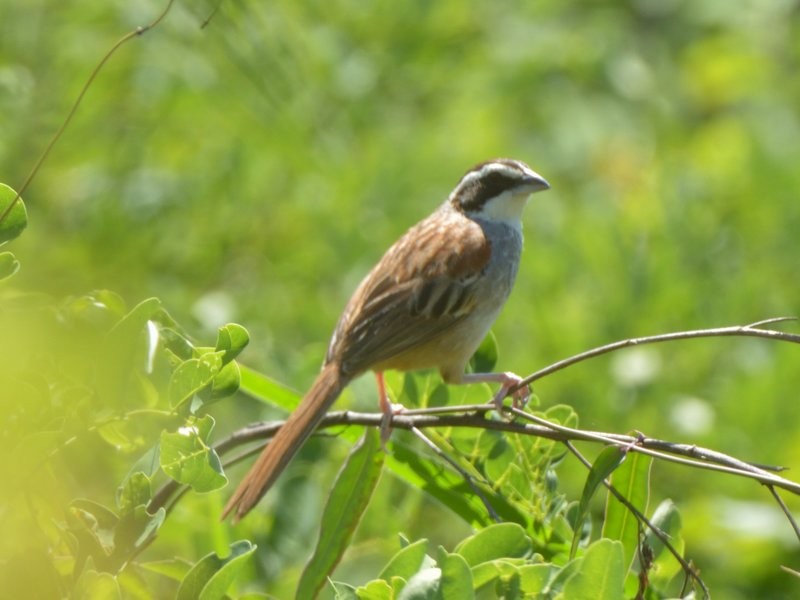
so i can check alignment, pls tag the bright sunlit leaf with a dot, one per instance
(232, 339)
(192, 376)
(16, 219)
(187, 457)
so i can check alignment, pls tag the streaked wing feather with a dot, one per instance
(423, 286)
(396, 326)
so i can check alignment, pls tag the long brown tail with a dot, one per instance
(300, 424)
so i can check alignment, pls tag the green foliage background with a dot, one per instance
(252, 171)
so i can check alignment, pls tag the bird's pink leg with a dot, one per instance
(387, 408)
(507, 380)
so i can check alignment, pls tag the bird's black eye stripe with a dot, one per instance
(476, 192)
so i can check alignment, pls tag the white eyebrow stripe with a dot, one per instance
(519, 171)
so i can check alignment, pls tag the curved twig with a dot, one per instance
(751, 330)
(68, 119)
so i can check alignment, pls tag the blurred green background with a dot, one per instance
(253, 171)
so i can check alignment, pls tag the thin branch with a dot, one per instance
(709, 460)
(772, 321)
(68, 119)
(207, 21)
(785, 510)
(751, 330)
(474, 417)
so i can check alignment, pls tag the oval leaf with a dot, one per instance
(134, 491)
(191, 376)
(225, 383)
(632, 480)
(348, 500)
(211, 576)
(606, 462)
(502, 540)
(232, 339)
(666, 518)
(187, 458)
(600, 573)
(16, 219)
(406, 562)
(456, 578)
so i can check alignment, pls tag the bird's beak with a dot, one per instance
(537, 183)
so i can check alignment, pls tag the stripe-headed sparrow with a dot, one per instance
(428, 303)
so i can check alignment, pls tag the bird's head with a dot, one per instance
(496, 190)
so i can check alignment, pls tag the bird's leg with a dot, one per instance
(507, 380)
(387, 408)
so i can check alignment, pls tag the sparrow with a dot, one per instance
(428, 303)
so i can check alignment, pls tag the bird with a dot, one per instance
(427, 304)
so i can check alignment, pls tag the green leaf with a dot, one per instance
(485, 357)
(9, 265)
(133, 585)
(88, 518)
(101, 309)
(348, 499)
(211, 576)
(173, 568)
(191, 376)
(501, 540)
(343, 591)
(179, 347)
(450, 488)
(115, 433)
(17, 218)
(135, 529)
(406, 562)
(563, 414)
(606, 462)
(632, 480)
(377, 589)
(456, 577)
(668, 519)
(509, 587)
(485, 573)
(187, 457)
(134, 491)
(535, 578)
(500, 458)
(93, 585)
(125, 347)
(148, 463)
(226, 383)
(600, 574)
(133, 322)
(267, 390)
(232, 339)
